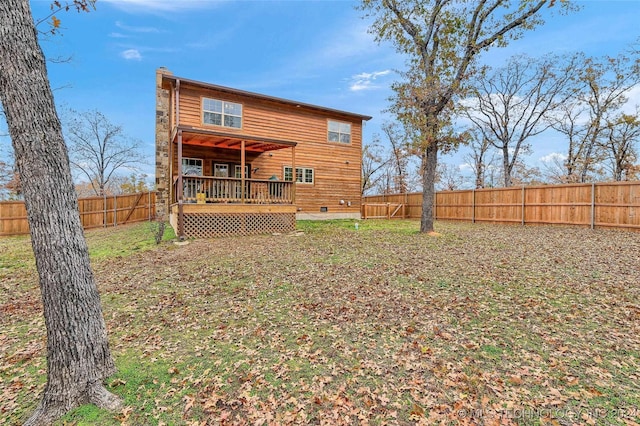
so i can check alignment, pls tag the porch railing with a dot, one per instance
(208, 189)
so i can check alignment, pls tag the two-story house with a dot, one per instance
(232, 162)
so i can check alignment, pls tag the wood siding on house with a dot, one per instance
(336, 166)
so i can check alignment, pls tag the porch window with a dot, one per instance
(192, 166)
(221, 113)
(238, 172)
(221, 170)
(191, 187)
(339, 132)
(303, 174)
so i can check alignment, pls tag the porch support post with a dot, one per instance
(294, 174)
(180, 189)
(242, 168)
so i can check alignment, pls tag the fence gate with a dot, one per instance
(383, 211)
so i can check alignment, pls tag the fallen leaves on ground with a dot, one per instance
(482, 325)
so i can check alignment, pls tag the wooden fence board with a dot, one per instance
(95, 212)
(607, 205)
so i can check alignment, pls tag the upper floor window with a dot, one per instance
(339, 132)
(221, 113)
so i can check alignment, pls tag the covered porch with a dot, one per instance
(215, 191)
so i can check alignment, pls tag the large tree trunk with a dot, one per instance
(480, 175)
(78, 356)
(429, 164)
(506, 166)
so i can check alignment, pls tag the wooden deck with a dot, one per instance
(213, 220)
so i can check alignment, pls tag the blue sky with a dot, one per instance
(316, 52)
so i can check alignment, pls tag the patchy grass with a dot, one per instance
(376, 325)
(124, 241)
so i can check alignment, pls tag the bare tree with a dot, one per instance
(6, 174)
(480, 158)
(78, 355)
(523, 174)
(509, 105)
(399, 158)
(442, 40)
(373, 164)
(98, 149)
(619, 141)
(9, 177)
(568, 122)
(602, 89)
(449, 177)
(553, 168)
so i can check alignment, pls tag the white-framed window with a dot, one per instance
(221, 113)
(221, 170)
(303, 174)
(338, 132)
(238, 172)
(192, 166)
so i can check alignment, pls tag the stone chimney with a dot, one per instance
(163, 122)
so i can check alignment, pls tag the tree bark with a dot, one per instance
(506, 166)
(78, 355)
(429, 163)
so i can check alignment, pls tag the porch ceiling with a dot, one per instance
(215, 139)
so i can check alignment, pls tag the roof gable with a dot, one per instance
(171, 80)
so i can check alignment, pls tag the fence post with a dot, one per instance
(435, 205)
(104, 209)
(473, 206)
(522, 205)
(593, 205)
(388, 211)
(404, 209)
(149, 194)
(115, 210)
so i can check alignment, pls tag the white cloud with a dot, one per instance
(153, 6)
(465, 166)
(146, 30)
(633, 100)
(131, 54)
(118, 35)
(554, 157)
(365, 80)
(354, 40)
(334, 49)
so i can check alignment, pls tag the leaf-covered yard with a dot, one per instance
(381, 325)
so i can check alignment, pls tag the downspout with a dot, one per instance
(180, 186)
(172, 125)
(177, 94)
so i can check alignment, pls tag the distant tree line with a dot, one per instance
(583, 99)
(104, 160)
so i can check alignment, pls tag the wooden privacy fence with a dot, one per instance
(95, 212)
(606, 205)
